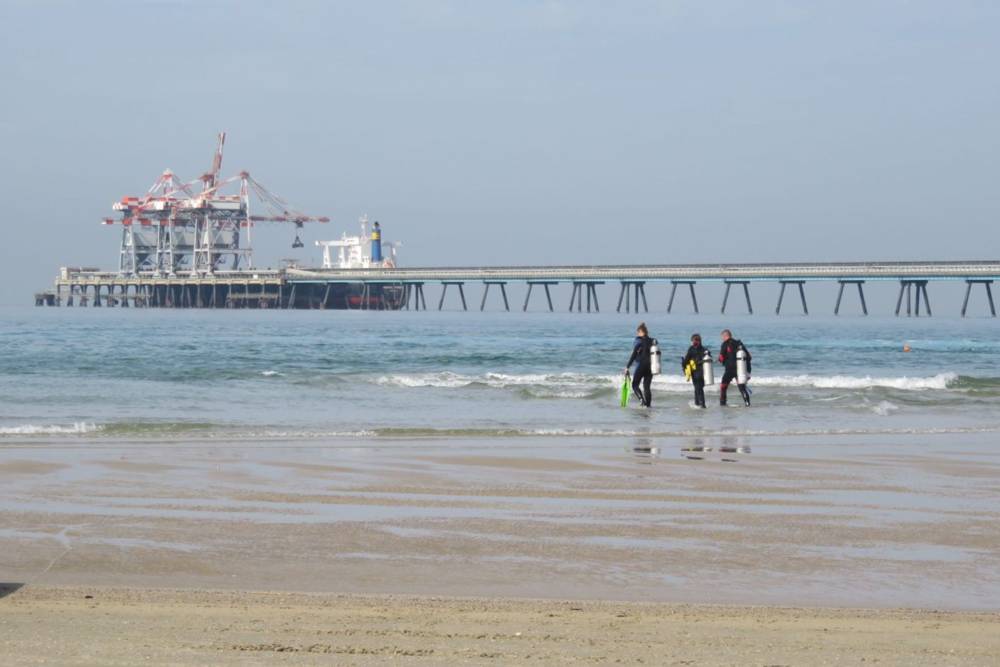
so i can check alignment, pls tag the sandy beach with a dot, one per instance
(440, 552)
(112, 626)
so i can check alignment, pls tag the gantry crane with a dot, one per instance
(191, 227)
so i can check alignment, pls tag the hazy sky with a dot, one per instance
(514, 132)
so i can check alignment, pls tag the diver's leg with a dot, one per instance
(727, 377)
(699, 393)
(636, 382)
(647, 381)
(745, 394)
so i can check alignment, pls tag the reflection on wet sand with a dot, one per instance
(697, 450)
(644, 450)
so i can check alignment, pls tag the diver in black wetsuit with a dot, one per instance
(695, 358)
(727, 357)
(643, 374)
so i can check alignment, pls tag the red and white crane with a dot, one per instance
(192, 227)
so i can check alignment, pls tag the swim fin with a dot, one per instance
(626, 381)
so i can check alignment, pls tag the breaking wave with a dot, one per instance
(580, 385)
(904, 383)
(50, 429)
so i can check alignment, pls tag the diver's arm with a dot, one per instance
(635, 353)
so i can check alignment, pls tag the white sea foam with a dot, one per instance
(450, 380)
(905, 383)
(884, 408)
(579, 385)
(271, 374)
(303, 434)
(49, 429)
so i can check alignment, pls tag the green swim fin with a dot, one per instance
(626, 381)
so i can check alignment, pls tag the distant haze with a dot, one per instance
(514, 132)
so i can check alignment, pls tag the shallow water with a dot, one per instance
(149, 374)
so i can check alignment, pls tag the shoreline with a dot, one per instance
(117, 625)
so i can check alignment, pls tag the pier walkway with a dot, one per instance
(310, 288)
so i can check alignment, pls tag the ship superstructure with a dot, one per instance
(365, 251)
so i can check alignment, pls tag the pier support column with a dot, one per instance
(444, 290)
(576, 298)
(673, 293)
(633, 289)
(414, 292)
(97, 296)
(861, 295)
(503, 291)
(913, 306)
(989, 295)
(548, 295)
(746, 294)
(802, 295)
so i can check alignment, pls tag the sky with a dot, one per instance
(518, 132)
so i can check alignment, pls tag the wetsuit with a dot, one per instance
(643, 373)
(696, 353)
(727, 357)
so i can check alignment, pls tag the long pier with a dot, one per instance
(403, 288)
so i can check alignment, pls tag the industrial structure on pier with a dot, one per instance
(194, 228)
(189, 245)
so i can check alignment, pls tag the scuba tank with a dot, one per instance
(706, 368)
(741, 366)
(654, 357)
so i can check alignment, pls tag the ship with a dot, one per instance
(367, 250)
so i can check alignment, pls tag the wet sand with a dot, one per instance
(877, 522)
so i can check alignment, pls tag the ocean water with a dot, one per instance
(74, 374)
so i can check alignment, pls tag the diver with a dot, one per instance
(643, 374)
(728, 358)
(693, 366)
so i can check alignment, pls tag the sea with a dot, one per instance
(244, 376)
